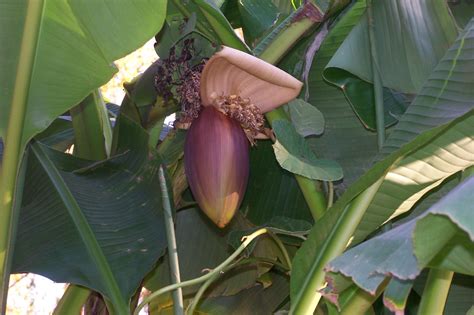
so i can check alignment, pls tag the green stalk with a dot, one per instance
(292, 29)
(307, 300)
(13, 142)
(360, 301)
(314, 197)
(436, 292)
(378, 87)
(72, 300)
(92, 130)
(172, 247)
(192, 306)
(246, 240)
(13, 228)
(84, 230)
(282, 248)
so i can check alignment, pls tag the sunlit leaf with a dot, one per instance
(77, 43)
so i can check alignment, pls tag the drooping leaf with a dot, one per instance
(448, 144)
(443, 98)
(360, 94)
(414, 47)
(443, 237)
(404, 59)
(310, 255)
(64, 74)
(119, 203)
(294, 155)
(445, 219)
(307, 119)
(344, 139)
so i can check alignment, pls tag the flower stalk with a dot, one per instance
(246, 240)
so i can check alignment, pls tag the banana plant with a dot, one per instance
(320, 160)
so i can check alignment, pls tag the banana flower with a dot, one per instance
(236, 89)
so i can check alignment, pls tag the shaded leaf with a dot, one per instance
(360, 94)
(344, 140)
(280, 226)
(59, 135)
(258, 17)
(420, 32)
(405, 58)
(92, 128)
(172, 147)
(307, 119)
(294, 155)
(289, 225)
(271, 191)
(201, 245)
(120, 201)
(247, 302)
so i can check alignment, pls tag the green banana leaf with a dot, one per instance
(344, 139)
(306, 118)
(271, 191)
(413, 47)
(444, 96)
(294, 155)
(59, 135)
(78, 41)
(408, 48)
(92, 128)
(419, 142)
(98, 225)
(443, 237)
(220, 25)
(258, 18)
